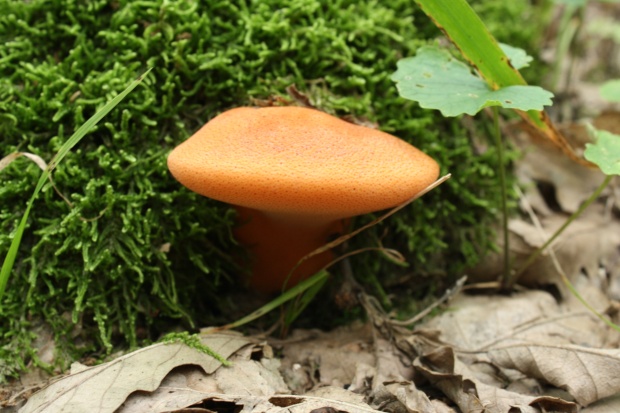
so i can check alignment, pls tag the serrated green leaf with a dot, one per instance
(611, 90)
(518, 57)
(465, 29)
(436, 80)
(605, 152)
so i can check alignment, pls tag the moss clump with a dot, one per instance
(130, 247)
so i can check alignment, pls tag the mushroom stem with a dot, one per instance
(276, 244)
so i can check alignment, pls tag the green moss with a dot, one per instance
(193, 341)
(131, 248)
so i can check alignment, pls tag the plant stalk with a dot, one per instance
(506, 279)
(570, 219)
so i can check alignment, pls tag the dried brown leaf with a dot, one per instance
(189, 385)
(454, 379)
(477, 323)
(382, 371)
(572, 182)
(441, 407)
(391, 363)
(251, 377)
(589, 242)
(438, 369)
(608, 405)
(401, 397)
(327, 399)
(184, 386)
(587, 374)
(532, 334)
(105, 387)
(312, 357)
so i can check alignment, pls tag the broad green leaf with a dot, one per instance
(518, 57)
(463, 26)
(466, 30)
(611, 90)
(605, 151)
(438, 81)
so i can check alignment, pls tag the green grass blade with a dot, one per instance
(317, 279)
(463, 26)
(297, 307)
(9, 260)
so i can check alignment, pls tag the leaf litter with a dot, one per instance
(530, 352)
(523, 353)
(534, 351)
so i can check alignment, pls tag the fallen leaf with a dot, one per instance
(326, 399)
(588, 244)
(441, 407)
(608, 405)
(530, 333)
(590, 241)
(338, 393)
(454, 379)
(105, 387)
(588, 374)
(250, 380)
(312, 357)
(572, 182)
(389, 363)
(477, 323)
(184, 386)
(401, 397)
(258, 378)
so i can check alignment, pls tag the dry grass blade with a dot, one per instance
(7, 160)
(340, 240)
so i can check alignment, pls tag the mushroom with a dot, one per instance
(295, 175)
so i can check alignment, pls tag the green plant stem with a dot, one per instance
(570, 219)
(567, 31)
(506, 280)
(583, 301)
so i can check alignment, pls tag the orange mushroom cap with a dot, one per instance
(299, 166)
(300, 161)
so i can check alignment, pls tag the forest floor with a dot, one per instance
(538, 349)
